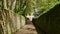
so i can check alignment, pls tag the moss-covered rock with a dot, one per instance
(10, 22)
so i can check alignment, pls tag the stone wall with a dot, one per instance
(49, 23)
(10, 22)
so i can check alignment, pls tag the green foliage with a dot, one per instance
(25, 7)
(45, 5)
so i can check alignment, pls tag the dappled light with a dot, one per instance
(29, 16)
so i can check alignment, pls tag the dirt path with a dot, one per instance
(27, 29)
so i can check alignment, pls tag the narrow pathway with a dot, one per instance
(27, 29)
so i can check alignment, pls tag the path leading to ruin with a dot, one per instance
(27, 29)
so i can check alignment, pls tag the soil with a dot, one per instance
(27, 29)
